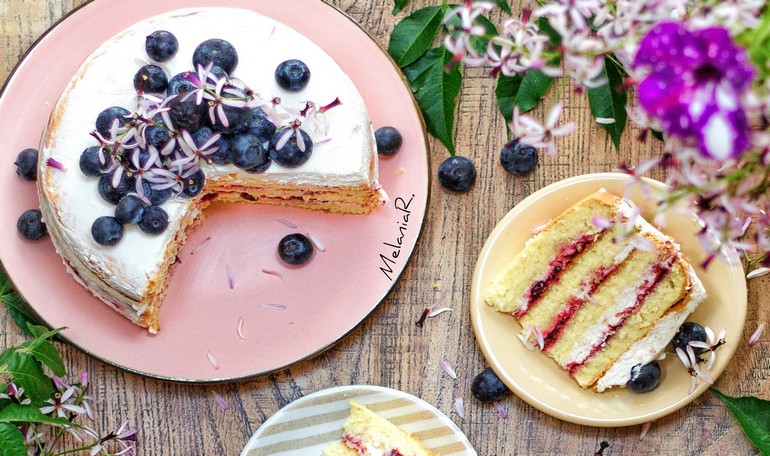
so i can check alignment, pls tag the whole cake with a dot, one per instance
(599, 290)
(365, 433)
(215, 122)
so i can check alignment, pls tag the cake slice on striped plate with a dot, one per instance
(368, 434)
(599, 290)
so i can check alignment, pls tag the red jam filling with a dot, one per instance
(659, 271)
(556, 267)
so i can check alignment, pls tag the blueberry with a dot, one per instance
(644, 378)
(260, 126)
(161, 45)
(179, 83)
(247, 152)
(290, 155)
(193, 185)
(129, 210)
(111, 194)
(26, 164)
(237, 120)
(105, 118)
(517, 158)
(388, 140)
(215, 50)
(186, 113)
(487, 386)
(156, 197)
(292, 75)
(157, 135)
(31, 226)
(154, 220)
(457, 174)
(89, 161)
(221, 156)
(689, 332)
(151, 79)
(106, 230)
(295, 249)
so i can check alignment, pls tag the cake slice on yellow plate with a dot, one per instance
(598, 299)
(365, 433)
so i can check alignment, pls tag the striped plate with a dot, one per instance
(308, 425)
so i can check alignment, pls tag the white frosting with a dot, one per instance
(105, 79)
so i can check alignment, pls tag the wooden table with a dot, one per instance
(388, 349)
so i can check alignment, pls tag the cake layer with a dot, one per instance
(367, 434)
(340, 175)
(596, 293)
(540, 262)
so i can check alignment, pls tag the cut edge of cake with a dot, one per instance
(614, 347)
(367, 433)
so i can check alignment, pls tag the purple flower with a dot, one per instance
(693, 86)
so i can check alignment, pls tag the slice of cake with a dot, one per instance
(599, 290)
(367, 434)
(322, 156)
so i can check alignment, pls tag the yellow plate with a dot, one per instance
(538, 380)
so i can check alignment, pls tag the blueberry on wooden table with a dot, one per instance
(517, 158)
(457, 174)
(487, 386)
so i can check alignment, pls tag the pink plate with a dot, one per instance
(283, 318)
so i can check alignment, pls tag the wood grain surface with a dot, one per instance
(388, 349)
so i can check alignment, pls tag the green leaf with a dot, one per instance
(16, 413)
(506, 90)
(46, 353)
(398, 5)
(609, 101)
(503, 5)
(11, 441)
(43, 350)
(754, 417)
(757, 44)
(414, 34)
(436, 90)
(533, 86)
(27, 372)
(17, 308)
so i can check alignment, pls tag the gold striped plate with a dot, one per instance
(308, 425)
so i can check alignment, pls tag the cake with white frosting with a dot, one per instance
(325, 122)
(599, 290)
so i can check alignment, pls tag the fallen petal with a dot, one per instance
(757, 334)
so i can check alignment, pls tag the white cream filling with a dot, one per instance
(648, 348)
(105, 79)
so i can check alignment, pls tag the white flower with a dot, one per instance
(529, 131)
